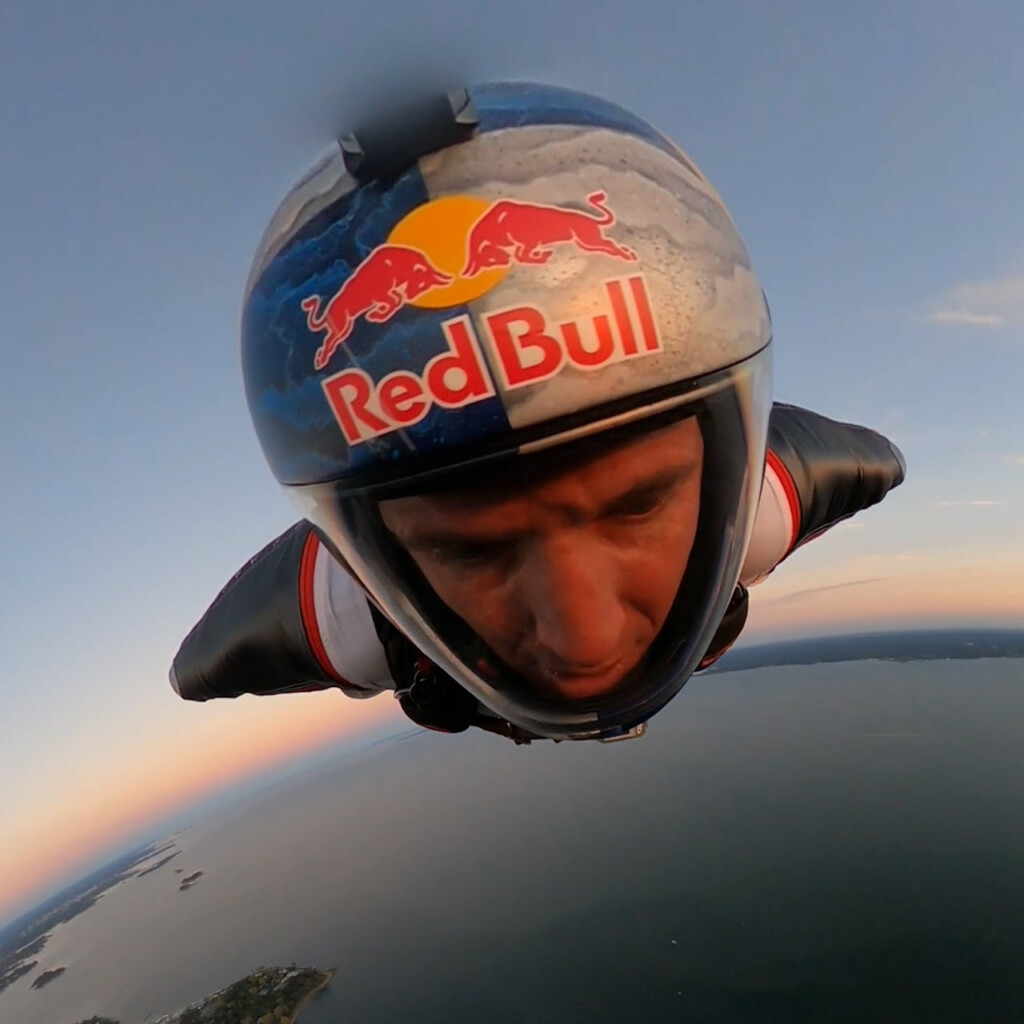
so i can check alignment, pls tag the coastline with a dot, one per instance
(326, 977)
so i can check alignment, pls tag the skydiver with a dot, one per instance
(535, 452)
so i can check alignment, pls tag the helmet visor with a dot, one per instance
(572, 587)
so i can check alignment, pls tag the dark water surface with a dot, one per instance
(835, 842)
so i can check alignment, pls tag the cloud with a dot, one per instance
(965, 316)
(1015, 460)
(982, 590)
(887, 558)
(986, 503)
(995, 303)
(798, 594)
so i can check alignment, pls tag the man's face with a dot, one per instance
(568, 580)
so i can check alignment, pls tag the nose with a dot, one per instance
(568, 589)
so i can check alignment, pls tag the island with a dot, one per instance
(15, 972)
(159, 864)
(189, 880)
(46, 977)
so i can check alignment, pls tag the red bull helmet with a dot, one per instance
(508, 355)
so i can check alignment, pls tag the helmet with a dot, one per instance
(466, 334)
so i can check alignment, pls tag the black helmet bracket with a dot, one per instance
(384, 148)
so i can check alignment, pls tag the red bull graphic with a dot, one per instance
(452, 250)
(523, 345)
(514, 231)
(390, 277)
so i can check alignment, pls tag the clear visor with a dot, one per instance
(575, 587)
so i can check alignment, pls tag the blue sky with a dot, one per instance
(871, 155)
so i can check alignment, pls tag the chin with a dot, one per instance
(575, 689)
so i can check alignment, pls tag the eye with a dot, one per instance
(468, 554)
(639, 506)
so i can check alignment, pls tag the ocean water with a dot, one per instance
(838, 842)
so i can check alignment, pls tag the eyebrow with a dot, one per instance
(660, 482)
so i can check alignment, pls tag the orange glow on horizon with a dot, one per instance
(210, 747)
(905, 599)
(107, 808)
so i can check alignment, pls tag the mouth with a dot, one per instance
(589, 682)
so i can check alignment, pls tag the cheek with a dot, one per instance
(663, 556)
(478, 598)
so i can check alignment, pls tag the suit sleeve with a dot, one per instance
(290, 619)
(818, 472)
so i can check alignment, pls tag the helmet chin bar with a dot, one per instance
(435, 701)
(631, 734)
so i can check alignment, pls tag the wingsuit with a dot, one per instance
(293, 619)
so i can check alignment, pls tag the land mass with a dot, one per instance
(932, 645)
(159, 864)
(15, 972)
(23, 938)
(46, 977)
(270, 995)
(189, 880)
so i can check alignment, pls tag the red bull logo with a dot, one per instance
(493, 237)
(390, 277)
(527, 348)
(517, 232)
(448, 252)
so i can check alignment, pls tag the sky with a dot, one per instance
(871, 155)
